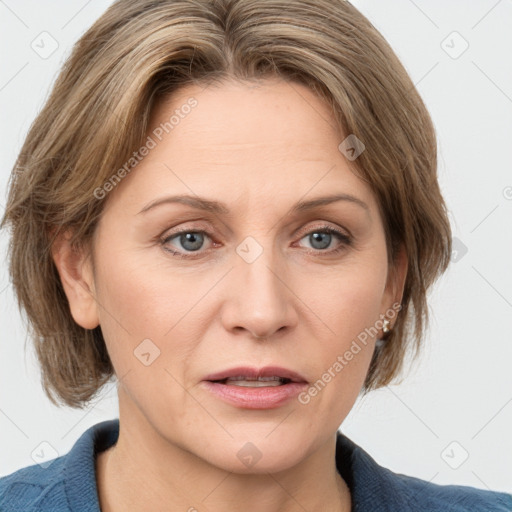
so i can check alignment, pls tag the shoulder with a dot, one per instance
(427, 496)
(375, 488)
(34, 488)
(63, 484)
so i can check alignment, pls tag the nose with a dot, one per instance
(259, 300)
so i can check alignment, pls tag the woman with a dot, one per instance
(232, 206)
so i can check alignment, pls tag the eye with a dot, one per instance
(190, 241)
(321, 238)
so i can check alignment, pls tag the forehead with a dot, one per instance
(255, 142)
(272, 114)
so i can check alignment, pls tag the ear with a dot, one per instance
(396, 281)
(77, 277)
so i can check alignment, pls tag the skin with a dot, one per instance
(258, 148)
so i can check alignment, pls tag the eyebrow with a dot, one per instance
(216, 207)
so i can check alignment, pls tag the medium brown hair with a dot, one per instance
(98, 112)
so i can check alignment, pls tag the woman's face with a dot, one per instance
(256, 278)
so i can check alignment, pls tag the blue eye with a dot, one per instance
(189, 240)
(192, 241)
(323, 236)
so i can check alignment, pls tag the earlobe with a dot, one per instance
(76, 275)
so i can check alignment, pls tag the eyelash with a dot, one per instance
(346, 241)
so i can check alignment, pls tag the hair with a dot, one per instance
(98, 112)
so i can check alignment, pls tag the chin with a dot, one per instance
(260, 453)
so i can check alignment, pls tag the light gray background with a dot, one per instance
(458, 399)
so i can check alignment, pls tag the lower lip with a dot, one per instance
(268, 397)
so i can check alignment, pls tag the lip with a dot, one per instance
(248, 371)
(268, 397)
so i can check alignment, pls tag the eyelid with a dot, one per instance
(301, 232)
(185, 227)
(168, 235)
(324, 226)
(345, 239)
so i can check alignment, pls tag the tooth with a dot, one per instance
(254, 383)
(251, 379)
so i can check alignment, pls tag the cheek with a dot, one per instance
(350, 309)
(127, 301)
(351, 299)
(141, 301)
(146, 309)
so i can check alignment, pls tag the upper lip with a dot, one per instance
(251, 372)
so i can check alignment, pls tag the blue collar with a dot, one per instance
(373, 488)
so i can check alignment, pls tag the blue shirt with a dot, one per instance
(69, 483)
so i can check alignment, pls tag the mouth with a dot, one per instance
(253, 388)
(256, 377)
(248, 382)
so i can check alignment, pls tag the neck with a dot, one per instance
(143, 471)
